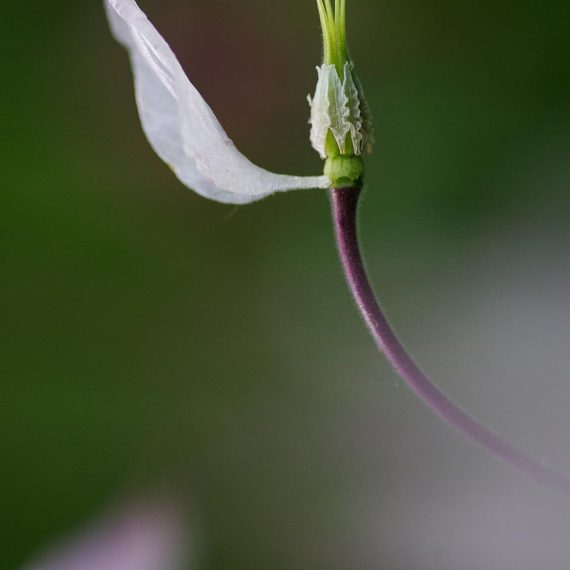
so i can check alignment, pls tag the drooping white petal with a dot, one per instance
(180, 125)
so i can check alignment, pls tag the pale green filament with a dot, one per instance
(333, 23)
(324, 25)
(338, 132)
(343, 27)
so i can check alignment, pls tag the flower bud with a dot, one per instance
(340, 119)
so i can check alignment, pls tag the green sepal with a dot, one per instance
(345, 171)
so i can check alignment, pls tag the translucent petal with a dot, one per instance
(337, 107)
(354, 116)
(329, 110)
(180, 125)
(320, 117)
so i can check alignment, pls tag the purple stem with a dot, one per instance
(345, 206)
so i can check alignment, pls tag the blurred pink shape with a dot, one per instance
(140, 536)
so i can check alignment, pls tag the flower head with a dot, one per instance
(340, 120)
(186, 134)
(180, 125)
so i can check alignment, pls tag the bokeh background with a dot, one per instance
(152, 339)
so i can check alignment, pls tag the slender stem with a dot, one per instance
(344, 206)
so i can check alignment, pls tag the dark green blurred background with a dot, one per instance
(150, 337)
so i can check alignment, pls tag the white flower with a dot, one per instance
(180, 125)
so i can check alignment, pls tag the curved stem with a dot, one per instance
(344, 206)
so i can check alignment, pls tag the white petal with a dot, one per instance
(180, 125)
(320, 118)
(355, 115)
(137, 537)
(337, 107)
(329, 110)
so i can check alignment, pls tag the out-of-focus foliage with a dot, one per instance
(150, 336)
